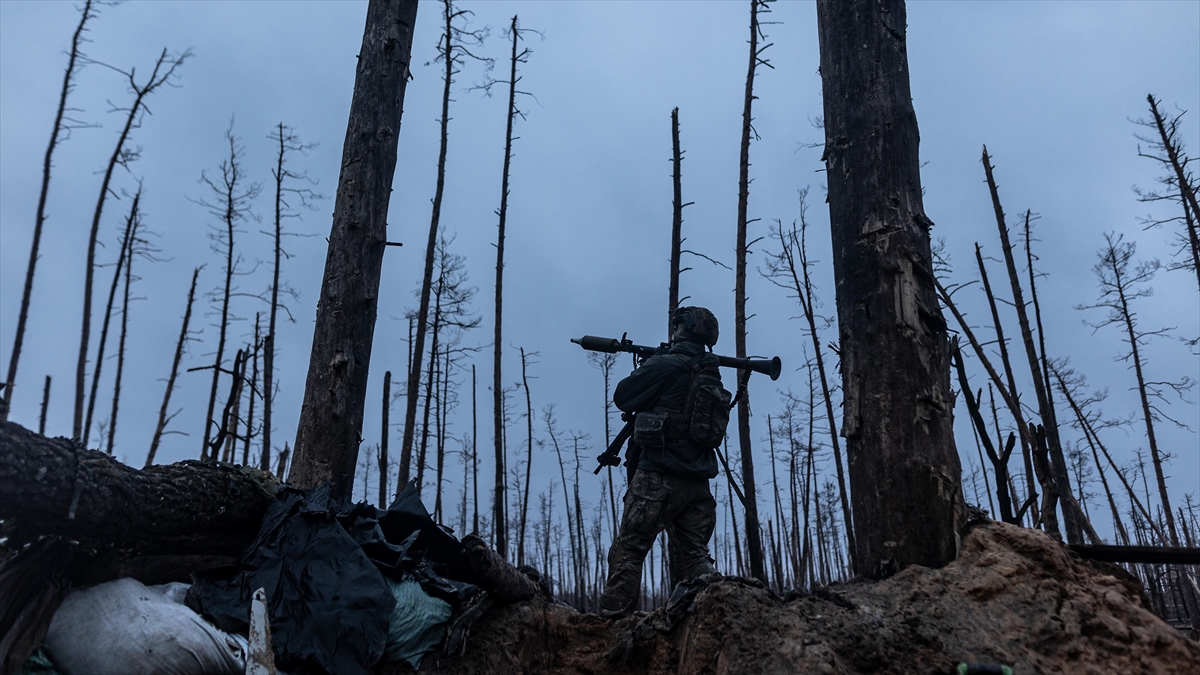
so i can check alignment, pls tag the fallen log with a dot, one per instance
(51, 486)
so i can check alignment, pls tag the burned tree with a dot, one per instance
(499, 524)
(164, 69)
(163, 417)
(62, 123)
(453, 46)
(1166, 148)
(790, 269)
(328, 433)
(288, 143)
(753, 542)
(230, 205)
(898, 423)
(1119, 287)
(108, 310)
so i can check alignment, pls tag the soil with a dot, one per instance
(1014, 596)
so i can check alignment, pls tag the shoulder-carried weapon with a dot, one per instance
(611, 457)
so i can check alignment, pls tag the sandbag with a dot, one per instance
(417, 625)
(125, 628)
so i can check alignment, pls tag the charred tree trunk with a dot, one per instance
(108, 307)
(119, 156)
(131, 237)
(45, 406)
(676, 222)
(753, 530)
(252, 391)
(414, 373)
(163, 417)
(384, 433)
(499, 524)
(1178, 166)
(1058, 464)
(231, 206)
(528, 458)
(328, 433)
(59, 119)
(53, 486)
(999, 461)
(898, 421)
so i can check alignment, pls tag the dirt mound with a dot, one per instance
(1014, 597)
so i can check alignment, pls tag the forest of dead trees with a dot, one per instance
(1044, 453)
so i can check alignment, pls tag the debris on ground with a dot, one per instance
(1015, 597)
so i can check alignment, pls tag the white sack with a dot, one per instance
(125, 628)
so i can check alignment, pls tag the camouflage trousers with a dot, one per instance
(683, 507)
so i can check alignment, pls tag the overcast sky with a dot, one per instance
(1050, 87)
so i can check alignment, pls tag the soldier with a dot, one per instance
(682, 411)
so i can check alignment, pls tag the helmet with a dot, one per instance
(699, 324)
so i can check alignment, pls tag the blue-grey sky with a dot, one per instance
(1050, 87)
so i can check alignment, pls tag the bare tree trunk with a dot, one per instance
(904, 468)
(794, 255)
(676, 222)
(45, 406)
(498, 520)
(330, 426)
(1090, 432)
(1119, 289)
(130, 240)
(384, 433)
(474, 453)
(253, 388)
(231, 207)
(108, 310)
(528, 459)
(1186, 193)
(999, 461)
(40, 218)
(231, 417)
(753, 530)
(163, 417)
(119, 156)
(443, 408)
(446, 48)
(1009, 394)
(431, 379)
(1058, 465)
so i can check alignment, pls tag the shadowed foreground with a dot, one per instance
(1014, 596)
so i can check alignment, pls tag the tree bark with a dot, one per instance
(676, 222)
(22, 316)
(499, 524)
(753, 530)
(384, 433)
(118, 156)
(112, 296)
(330, 426)
(52, 486)
(898, 419)
(163, 417)
(1058, 464)
(414, 373)
(1186, 194)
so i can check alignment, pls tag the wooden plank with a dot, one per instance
(1159, 555)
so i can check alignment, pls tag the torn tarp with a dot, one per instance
(329, 606)
(323, 567)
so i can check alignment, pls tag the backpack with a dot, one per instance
(706, 411)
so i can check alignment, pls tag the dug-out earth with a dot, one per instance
(1014, 597)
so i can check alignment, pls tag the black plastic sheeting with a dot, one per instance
(322, 566)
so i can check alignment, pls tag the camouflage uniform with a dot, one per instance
(670, 489)
(683, 507)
